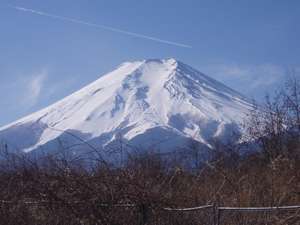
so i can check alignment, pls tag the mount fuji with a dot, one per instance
(150, 104)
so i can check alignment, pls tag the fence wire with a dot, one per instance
(143, 214)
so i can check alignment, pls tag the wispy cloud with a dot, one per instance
(99, 26)
(22, 93)
(34, 87)
(252, 80)
(256, 75)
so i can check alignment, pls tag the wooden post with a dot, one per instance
(214, 214)
(218, 211)
(218, 215)
(143, 214)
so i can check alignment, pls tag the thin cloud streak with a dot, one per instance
(40, 13)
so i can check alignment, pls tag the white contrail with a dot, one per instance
(99, 26)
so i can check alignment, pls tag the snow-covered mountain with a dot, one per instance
(159, 104)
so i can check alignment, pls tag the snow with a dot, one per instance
(135, 98)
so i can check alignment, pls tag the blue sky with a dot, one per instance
(248, 45)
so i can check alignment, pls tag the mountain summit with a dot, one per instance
(153, 103)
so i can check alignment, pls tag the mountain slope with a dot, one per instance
(161, 103)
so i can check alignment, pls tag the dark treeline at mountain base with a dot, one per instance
(56, 190)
